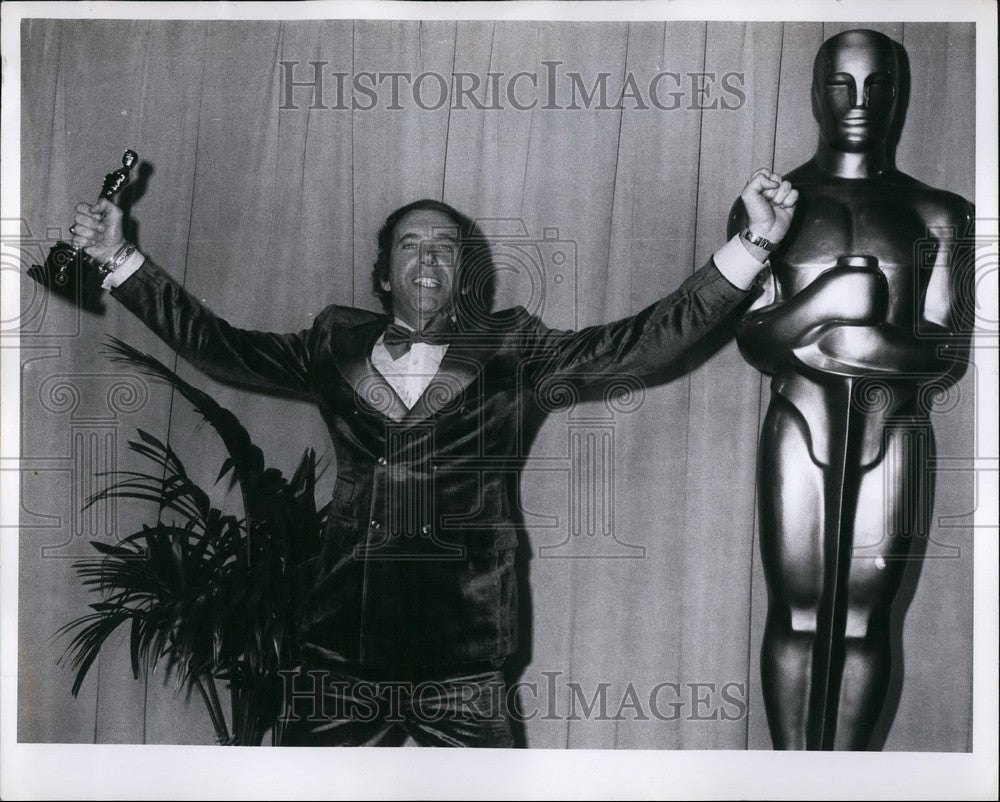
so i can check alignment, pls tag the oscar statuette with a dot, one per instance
(72, 274)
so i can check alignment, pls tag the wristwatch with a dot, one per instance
(116, 261)
(760, 242)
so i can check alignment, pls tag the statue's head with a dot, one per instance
(856, 84)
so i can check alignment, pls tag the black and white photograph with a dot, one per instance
(611, 387)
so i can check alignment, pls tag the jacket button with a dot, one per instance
(464, 410)
(376, 524)
(383, 461)
(426, 529)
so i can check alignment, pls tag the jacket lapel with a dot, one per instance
(352, 355)
(462, 363)
(454, 374)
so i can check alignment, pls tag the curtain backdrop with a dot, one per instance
(644, 565)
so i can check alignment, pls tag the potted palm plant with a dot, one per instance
(220, 601)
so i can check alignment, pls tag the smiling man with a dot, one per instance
(423, 263)
(415, 278)
(416, 610)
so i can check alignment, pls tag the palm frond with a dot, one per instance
(247, 458)
(209, 597)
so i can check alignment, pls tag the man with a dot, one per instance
(852, 328)
(418, 588)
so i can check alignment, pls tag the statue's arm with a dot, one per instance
(954, 236)
(769, 335)
(884, 349)
(775, 326)
(932, 346)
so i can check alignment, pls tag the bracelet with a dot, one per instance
(760, 242)
(116, 261)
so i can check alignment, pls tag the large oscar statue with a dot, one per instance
(852, 328)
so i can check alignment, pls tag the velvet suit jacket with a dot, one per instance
(419, 551)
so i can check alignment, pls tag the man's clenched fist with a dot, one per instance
(97, 228)
(770, 204)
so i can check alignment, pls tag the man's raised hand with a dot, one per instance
(770, 204)
(97, 228)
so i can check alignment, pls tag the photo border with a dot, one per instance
(116, 771)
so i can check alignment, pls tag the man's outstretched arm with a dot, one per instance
(261, 360)
(665, 331)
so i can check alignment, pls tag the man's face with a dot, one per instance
(854, 93)
(423, 265)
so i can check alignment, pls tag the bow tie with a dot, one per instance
(398, 339)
